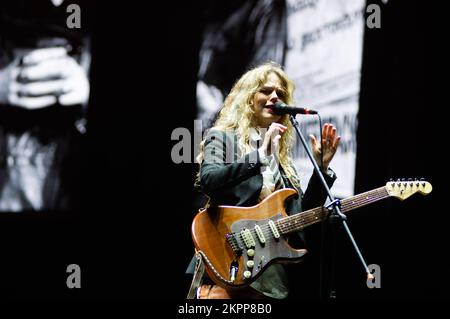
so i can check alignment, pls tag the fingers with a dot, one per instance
(329, 135)
(277, 126)
(274, 130)
(79, 92)
(50, 69)
(36, 89)
(336, 142)
(42, 94)
(324, 152)
(60, 80)
(313, 141)
(39, 55)
(332, 134)
(274, 148)
(272, 137)
(276, 141)
(326, 132)
(16, 96)
(43, 77)
(32, 103)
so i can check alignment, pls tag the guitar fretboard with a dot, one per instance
(304, 219)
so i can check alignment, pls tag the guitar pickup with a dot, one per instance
(260, 234)
(234, 244)
(247, 237)
(274, 229)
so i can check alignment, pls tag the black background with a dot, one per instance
(131, 237)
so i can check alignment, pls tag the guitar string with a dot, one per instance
(313, 215)
(292, 222)
(295, 222)
(298, 221)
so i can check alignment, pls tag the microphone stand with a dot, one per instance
(334, 205)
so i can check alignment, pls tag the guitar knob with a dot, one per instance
(250, 252)
(247, 274)
(250, 263)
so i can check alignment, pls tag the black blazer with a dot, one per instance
(230, 179)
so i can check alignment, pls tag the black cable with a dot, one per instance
(329, 289)
(322, 236)
(321, 143)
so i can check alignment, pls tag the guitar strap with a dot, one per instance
(198, 276)
(199, 265)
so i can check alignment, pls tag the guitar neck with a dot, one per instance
(304, 219)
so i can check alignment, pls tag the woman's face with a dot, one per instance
(269, 93)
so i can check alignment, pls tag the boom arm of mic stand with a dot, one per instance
(334, 204)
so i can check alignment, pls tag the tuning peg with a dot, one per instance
(417, 181)
(404, 181)
(423, 181)
(392, 182)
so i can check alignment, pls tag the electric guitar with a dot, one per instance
(238, 243)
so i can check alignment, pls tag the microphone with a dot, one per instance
(281, 108)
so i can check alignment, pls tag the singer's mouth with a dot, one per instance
(269, 108)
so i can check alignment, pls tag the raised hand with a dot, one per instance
(330, 143)
(272, 138)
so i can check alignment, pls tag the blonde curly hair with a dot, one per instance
(238, 115)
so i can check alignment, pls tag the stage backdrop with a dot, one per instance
(325, 39)
(319, 42)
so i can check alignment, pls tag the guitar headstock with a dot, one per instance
(402, 189)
